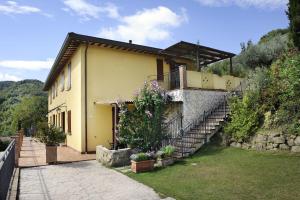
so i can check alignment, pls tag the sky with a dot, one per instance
(32, 31)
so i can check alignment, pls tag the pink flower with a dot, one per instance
(148, 113)
(155, 86)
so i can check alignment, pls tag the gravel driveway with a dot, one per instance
(80, 180)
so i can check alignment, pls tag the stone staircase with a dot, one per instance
(199, 132)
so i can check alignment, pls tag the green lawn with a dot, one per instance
(228, 173)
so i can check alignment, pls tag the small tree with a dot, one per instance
(142, 127)
(294, 17)
(50, 135)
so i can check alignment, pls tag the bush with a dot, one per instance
(50, 135)
(245, 116)
(141, 157)
(288, 112)
(166, 152)
(271, 99)
(142, 127)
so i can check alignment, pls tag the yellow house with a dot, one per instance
(91, 74)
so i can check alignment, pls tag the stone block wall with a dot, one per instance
(113, 158)
(273, 141)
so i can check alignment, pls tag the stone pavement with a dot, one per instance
(33, 153)
(80, 180)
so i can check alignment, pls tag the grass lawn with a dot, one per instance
(228, 173)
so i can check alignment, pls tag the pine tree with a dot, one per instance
(294, 17)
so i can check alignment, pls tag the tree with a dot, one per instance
(294, 17)
(29, 112)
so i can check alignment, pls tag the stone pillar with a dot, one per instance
(182, 77)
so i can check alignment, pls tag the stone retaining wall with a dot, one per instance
(195, 102)
(113, 158)
(273, 142)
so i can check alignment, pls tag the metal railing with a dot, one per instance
(7, 165)
(170, 80)
(203, 123)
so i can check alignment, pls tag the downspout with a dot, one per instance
(85, 96)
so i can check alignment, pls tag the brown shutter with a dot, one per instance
(69, 121)
(63, 121)
(160, 69)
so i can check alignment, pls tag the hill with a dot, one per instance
(11, 95)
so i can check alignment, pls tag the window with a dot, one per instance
(58, 121)
(56, 89)
(69, 77)
(50, 96)
(160, 69)
(62, 81)
(54, 120)
(53, 92)
(69, 121)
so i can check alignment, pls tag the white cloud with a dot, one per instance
(8, 77)
(87, 10)
(268, 4)
(27, 64)
(146, 25)
(12, 7)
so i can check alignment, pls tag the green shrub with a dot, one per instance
(140, 157)
(245, 116)
(142, 127)
(166, 151)
(50, 135)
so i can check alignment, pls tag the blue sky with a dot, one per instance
(32, 31)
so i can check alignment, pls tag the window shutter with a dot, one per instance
(69, 121)
(160, 69)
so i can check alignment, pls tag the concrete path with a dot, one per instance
(80, 180)
(33, 153)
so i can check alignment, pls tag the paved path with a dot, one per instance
(33, 153)
(80, 180)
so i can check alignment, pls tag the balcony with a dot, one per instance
(186, 79)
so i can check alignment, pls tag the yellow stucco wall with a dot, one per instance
(211, 81)
(71, 100)
(113, 75)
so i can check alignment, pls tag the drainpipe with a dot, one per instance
(85, 96)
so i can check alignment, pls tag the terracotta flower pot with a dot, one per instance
(51, 154)
(142, 166)
(165, 161)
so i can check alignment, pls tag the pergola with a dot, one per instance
(201, 54)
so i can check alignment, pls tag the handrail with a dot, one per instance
(201, 118)
(7, 150)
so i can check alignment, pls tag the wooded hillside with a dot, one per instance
(12, 96)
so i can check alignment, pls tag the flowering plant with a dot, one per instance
(142, 127)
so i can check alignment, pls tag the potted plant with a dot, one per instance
(51, 136)
(141, 162)
(165, 156)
